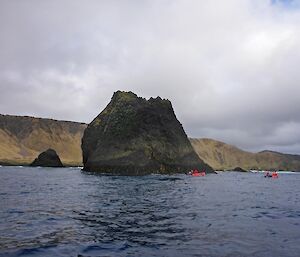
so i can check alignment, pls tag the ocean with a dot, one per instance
(67, 212)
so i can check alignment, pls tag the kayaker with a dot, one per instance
(195, 172)
(274, 174)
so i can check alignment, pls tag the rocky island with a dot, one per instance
(48, 158)
(135, 136)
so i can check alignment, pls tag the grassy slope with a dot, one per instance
(223, 156)
(23, 138)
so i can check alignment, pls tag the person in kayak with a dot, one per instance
(196, 172)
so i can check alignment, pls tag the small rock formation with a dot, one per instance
(135, 136)
(48, 158)
(239, 169)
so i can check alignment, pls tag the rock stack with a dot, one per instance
(135, 136)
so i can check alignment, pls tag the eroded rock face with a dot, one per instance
(48, 158)
(135, 136)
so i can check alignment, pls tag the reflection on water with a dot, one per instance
(64, 212)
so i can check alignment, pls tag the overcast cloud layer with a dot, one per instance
(230, 68)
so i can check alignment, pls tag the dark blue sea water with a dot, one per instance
(65, 212)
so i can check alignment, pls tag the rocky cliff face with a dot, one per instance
(134, 136)
(22, 138)
(224, 156)
(48, 158)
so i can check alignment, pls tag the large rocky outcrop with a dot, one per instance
(135, 136)
(49, 158)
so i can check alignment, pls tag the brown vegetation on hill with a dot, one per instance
(22, 138)
(223, 156)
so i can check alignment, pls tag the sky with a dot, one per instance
(230, 68)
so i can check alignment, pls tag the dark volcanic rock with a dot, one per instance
(48, 158)
(133, 136)
(239, 169)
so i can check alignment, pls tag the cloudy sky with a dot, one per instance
(230, 68)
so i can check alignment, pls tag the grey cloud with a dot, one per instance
(230, 68)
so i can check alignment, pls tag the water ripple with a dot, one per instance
(64, 212)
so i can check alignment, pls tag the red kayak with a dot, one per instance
(196, 173)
